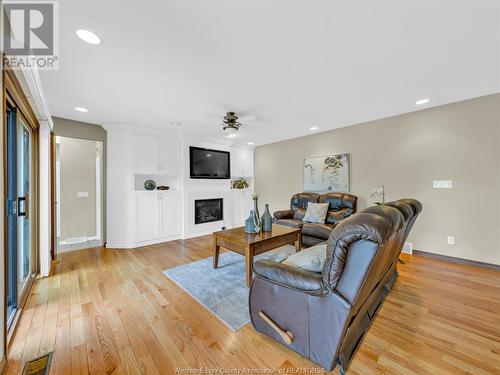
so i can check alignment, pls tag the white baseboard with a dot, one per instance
(118, 246)
(408, 248)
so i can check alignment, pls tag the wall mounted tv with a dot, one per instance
(209, 164)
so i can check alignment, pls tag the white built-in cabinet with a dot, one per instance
(241, 204)
(136, 217)
(147, 216)
(157, 215)
(241, 162)
(156, 155)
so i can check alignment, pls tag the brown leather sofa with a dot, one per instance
(341, 206)
(324, 316)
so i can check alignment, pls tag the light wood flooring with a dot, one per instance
(113, 311)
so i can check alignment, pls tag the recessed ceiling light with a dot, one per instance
(88, 36)
(81, 109)
(313, 128)
(250, 143)
(422, 101)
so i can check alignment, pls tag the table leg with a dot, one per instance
(298, 243)
(216, 250)
(249, 265)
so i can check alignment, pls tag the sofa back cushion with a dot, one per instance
(359, 250)
(299, 202)
(341, 206)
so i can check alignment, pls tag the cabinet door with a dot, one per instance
(247, 162)
(171, 214)
(241, 163)
(170, 160)
(241, 204)
(147, 154)
(147, 216)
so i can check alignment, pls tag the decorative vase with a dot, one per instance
(250, 223)
(256, 210)
(267, 220)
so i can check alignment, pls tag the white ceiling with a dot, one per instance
(292, 64)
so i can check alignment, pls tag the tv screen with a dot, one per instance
(206, 163)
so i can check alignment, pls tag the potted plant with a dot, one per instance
(239, 183)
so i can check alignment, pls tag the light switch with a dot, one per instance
(82, 194)
(442, 184)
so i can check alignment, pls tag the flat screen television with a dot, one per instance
(209, 164)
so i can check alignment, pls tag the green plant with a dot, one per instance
(239, 183)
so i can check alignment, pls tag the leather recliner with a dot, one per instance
(324, 316)
(342, 205)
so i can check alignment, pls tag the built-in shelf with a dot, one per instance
(157, 191)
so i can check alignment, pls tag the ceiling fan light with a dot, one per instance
(229, 130)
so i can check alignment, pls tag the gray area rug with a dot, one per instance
(223, 291)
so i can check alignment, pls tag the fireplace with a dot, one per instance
(208, 210)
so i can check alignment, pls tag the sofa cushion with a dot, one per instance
(311, 259)
(342, 205)
(308, 241)
(316, 213)
(290, 223)
(299, 213)
(317, 230)
(299, 202)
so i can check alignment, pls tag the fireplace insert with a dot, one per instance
(208, 210)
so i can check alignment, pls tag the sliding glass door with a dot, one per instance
(19, 157)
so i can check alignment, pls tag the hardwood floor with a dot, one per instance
(113, 311)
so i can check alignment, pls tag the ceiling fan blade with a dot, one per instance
(246, 119)
(249, 127)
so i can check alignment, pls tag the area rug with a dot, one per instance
(223, 290)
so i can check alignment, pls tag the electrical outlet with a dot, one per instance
(442, 184)
(451, 240)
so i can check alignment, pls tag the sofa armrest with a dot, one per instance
(284, 214)
(295, 278)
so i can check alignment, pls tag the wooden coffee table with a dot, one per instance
(250, 245)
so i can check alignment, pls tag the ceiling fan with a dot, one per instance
(231, 123)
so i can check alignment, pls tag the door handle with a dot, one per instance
(23, 206)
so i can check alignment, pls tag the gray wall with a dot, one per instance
(459, 142)
(77, 174)
(82, 130)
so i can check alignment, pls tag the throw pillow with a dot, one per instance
(316, 213)
(311, 259)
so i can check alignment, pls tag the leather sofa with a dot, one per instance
(324, 316)
(341, 206)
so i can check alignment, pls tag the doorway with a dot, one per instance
(19, 190)
(78, 193)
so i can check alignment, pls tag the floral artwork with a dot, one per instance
(327, 173)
